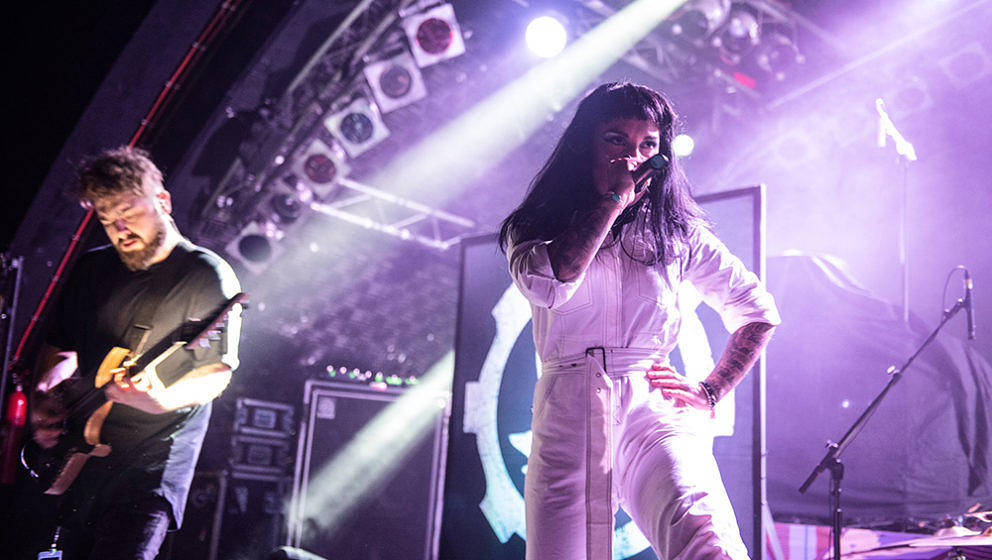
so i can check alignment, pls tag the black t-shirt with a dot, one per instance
(151, 453)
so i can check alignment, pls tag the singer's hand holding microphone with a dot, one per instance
(628, 179)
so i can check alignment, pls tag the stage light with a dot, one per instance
(320, 167)
(546, 36)
(682, 145)
(966, 66)
(480, 137)
(777, 53)
(358, 126)
(395, 82)
(698, 19)
(908, 95)
(434, 35)
(739, 35)
(256, 246)
(286, 207)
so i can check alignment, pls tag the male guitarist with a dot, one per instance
(131, 294)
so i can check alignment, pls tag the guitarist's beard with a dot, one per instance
(141, 259)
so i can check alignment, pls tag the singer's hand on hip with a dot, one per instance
(677, 387)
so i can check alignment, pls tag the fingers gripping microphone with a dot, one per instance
(647, 170)
(969, 305)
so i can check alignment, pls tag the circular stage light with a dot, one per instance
(356, 128)
(740, 34)
(287, 208)
(396, 81)
(255, 248)
(434, 35)
(546, 36)
(777, 53)
(682, 145)
(320, 168)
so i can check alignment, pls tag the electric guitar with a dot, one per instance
(54, 469)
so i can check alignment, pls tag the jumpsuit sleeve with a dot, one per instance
(726, 284)
(531, 270)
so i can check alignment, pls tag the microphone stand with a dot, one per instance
(907, 154)
(832, 460)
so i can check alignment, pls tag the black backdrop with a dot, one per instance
(495, 372)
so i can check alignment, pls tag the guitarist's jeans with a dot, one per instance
(127, 530)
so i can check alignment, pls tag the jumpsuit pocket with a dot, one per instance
(559, 396)
(581, 299)
(545, 384)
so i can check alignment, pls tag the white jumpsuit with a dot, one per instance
(602, 438)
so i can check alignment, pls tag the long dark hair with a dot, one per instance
(563, 187)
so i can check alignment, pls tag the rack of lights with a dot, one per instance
(737, 43)
(329, 114)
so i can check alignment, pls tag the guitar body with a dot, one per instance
(55, 468)
(87, 407)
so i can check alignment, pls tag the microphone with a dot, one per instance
(648, 169)
(969, 305)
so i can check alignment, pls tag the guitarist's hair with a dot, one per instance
(114, 172)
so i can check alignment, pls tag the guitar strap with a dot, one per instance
(163, 279)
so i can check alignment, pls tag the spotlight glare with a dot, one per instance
(485, 133)
(682, 145)
(546, 36)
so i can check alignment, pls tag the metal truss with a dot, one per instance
(290, 121)
(667, 58)
(404, 219)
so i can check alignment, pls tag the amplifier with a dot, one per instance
(259, 455)
(263, 418)
(369, 471)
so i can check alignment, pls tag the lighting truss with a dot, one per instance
(657, 55)
(318, 92)
(292, 119)
(415, 221)
(666, 59)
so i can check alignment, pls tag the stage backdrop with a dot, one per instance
(496, 368)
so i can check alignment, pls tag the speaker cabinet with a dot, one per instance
(369, 472)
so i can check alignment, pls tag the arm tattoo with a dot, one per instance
(742, 351)
(572, 251)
